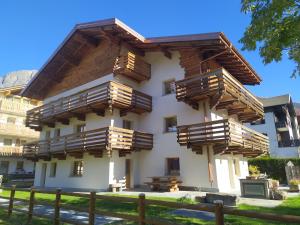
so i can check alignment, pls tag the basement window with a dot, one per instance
(171, 124)
(77, 169)
(53, 169)
(173, 166)
(169, 87)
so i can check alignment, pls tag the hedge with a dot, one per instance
(273, 167)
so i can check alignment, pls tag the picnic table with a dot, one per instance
(164, 183)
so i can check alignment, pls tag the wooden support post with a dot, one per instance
(92, 208)
(57, 207)
(219, 213)
(31, 205)
(11, 199)
(141, 208)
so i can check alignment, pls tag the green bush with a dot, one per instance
(273, 167)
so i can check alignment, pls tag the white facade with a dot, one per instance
(98, 173)
(269, 128)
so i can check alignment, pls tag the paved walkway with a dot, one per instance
(79, 217)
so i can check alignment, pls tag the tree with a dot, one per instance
(275, 28)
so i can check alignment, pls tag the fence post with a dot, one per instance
(219, 212)
(92, 208)
(57, 207)
(141, 209)
(31, 204)
(11, 199)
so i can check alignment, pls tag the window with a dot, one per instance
(258, 122)
(127, 124)
(11, 120)
(169, 87)
(18, 142)
(48, 135)
(20, 165)
(77, 169)
(4, 167)
(57, 134)
(7, 142)
(79, 128)
(173, 167)
(23, 142)
(53, 169)
(171, 124)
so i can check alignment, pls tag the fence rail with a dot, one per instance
(218, 209)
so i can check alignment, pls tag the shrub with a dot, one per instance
(273, 167)
(294, 182)
(253, 170)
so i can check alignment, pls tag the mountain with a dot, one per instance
(16, 78)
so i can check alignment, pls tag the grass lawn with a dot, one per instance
(290, 206)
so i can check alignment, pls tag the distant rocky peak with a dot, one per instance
(16, 78)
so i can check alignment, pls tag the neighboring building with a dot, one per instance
(13, 132)
(118, 105)
(281, 126)
(297, 110)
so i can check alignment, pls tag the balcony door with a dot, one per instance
(43, 174)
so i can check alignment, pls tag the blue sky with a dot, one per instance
(32, 29)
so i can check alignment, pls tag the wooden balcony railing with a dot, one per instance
(226, 136)
(11, 150)
(18, 131)
(133, 67)
(95, 142)
(96, 99)
(223, 91)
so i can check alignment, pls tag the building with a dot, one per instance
(280, 125)
(117, 104)
(13, 132)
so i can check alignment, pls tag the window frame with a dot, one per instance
(77, 168)
(167, 84)
(17, 165)
(166, 119)
(53, 169)
(169, 166)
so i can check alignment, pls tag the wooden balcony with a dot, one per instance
(223, 91)
(225, 136)
(12, 151)
(133, 67)
(18, 131)
(95, 142)
(96, 99)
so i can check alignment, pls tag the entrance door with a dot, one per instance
(43, 174)
(127, 172)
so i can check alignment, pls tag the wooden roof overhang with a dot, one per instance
(86, 36)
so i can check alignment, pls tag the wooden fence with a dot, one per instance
(218, 209)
